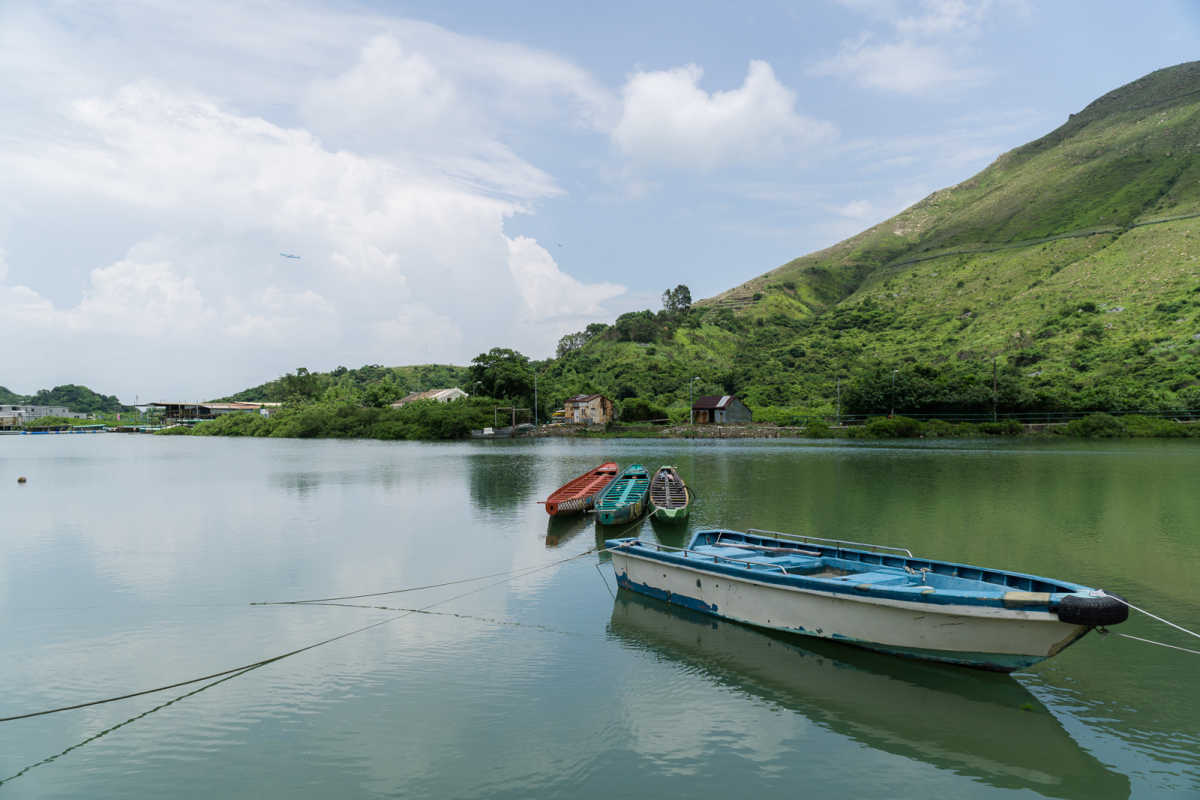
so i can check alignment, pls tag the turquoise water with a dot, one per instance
(130, 562)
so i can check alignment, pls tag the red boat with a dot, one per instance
(579, 495)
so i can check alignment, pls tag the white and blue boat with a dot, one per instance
(881, 598)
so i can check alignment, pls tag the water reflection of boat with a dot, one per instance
(562, 529)
(987, 727)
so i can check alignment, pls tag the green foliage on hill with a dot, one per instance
(341, 419)
(375, 385)
(80, 399)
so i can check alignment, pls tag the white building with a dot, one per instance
(28, 413)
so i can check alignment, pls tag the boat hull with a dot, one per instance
(984, 637)
(623, 513)
(669, 514)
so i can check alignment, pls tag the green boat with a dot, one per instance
(669, 496)
(626, 498)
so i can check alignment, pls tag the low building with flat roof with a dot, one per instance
(15, 415)
(173, 412)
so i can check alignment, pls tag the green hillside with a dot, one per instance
(1072, 261)
(372, 384)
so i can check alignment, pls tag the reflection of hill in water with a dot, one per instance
(499, 481)
(986, 727)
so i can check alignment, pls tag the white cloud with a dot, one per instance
(668, 119)
(547, 292)
(924, 46)
(900, 66)
(402, 259)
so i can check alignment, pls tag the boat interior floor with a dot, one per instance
(839, 570)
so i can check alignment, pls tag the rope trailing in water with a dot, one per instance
(1155, 617)
(119, 725)
(263, 662)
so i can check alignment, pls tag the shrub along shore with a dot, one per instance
(427, 420)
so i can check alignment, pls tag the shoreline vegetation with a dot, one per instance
(431, 421)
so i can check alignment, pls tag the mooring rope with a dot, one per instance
(618, 535)
(511, 574)
(1152, 616)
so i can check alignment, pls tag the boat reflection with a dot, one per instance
(983, 726)
(565, 528)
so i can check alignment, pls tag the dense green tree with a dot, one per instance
(637, 326)
(303, 385)
(503, 372)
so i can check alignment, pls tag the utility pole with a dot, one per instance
(892, 413)
(839, 400)
(535, 405)
(994, 384)
(691, 402)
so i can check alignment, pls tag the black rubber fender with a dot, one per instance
(1092, 610)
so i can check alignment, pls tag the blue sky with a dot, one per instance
(462, 176)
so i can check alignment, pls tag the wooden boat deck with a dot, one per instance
(668, 490)
(624, 499)
(579, 494)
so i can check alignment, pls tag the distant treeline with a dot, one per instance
(340, 419)
(79, 399)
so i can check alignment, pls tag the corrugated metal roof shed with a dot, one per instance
(712, 402)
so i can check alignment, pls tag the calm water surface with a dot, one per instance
(129, 562)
